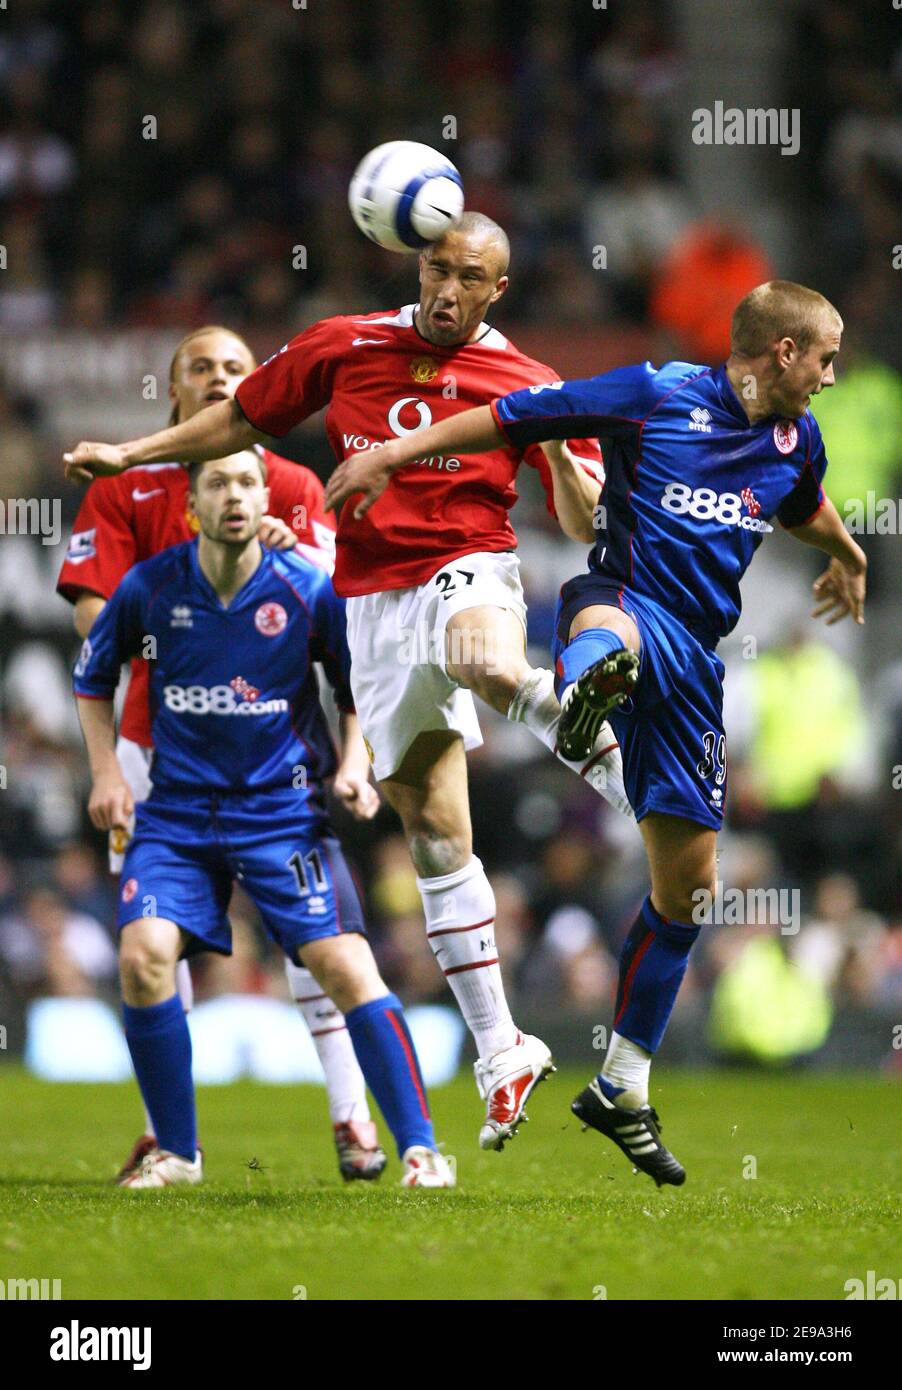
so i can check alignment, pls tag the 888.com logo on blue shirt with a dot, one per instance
(238, 697)
(705, 504)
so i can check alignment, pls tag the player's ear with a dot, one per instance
(266, 499)
(786, 351)
(500, 286)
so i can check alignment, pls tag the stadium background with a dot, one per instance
(573, 128)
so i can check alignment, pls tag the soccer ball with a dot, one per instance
(404, 195)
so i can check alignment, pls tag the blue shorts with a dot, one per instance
(188, 850)
(671, 730)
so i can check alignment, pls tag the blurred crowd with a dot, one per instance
(160, 164)
(161, 161)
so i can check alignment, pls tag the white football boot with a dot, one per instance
(160, 1168)
(505, 1082)
(426, 1168)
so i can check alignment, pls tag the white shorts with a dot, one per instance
(397, 643)
(135, 762)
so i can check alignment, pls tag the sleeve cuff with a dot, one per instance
(261, 429)
(793, 525)
(502, 424)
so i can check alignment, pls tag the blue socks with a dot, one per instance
(587, 647)
(652, 965)
(389, 1064)
(160, 1045)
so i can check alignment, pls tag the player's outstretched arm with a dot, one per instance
(840, 590)
(470, 432)
(215, 432)
(111, 803)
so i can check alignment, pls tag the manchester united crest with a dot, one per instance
(119, 838)
(192, 521)
(423, 370)
(270, 619)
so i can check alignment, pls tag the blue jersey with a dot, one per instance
(691, 487)
(234, 699)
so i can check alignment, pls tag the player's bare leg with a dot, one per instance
(429, 792)
(344, 967)
(156, 1030)
(485, 651)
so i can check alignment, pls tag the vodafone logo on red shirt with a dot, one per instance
(270, 619)
(410, 406)
(408, 415)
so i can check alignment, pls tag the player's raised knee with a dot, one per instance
(485, 653)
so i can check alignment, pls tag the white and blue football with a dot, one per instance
(404, 195)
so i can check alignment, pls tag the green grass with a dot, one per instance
(555, 1216)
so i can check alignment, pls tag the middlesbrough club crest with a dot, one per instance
(270, 619)
(786, 436)
(129, 889)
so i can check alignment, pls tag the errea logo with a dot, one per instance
(181, 616)
(700, 419)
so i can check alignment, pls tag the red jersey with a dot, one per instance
(379, 378)
(144, 510)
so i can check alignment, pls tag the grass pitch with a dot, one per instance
(558, 1215)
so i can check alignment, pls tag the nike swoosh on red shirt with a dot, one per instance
(140, 496)
(357, 342)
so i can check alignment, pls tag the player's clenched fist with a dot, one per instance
(111, 805)
(357, 793)
(87, 461)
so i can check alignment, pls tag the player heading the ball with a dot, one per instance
(702, 462)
